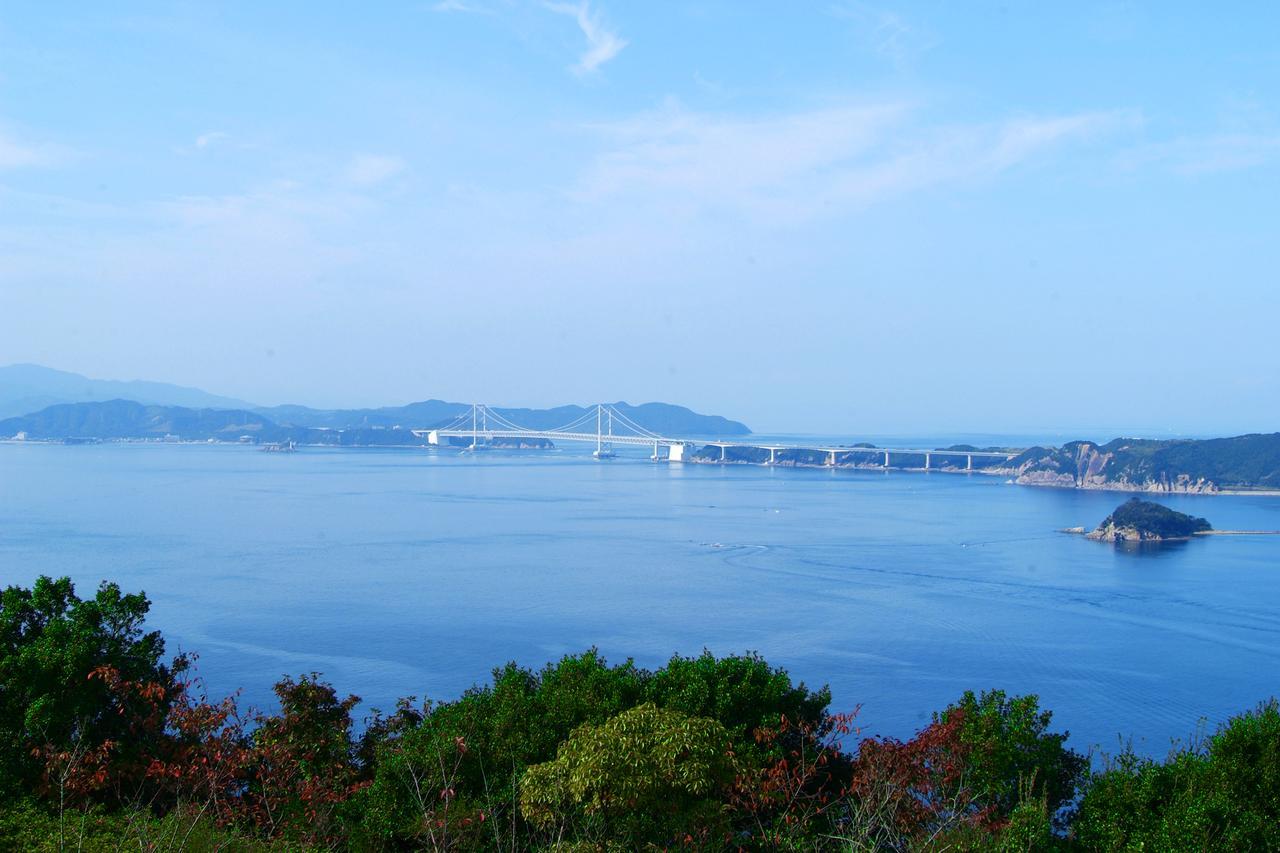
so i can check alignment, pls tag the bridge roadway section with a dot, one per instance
(679, 449)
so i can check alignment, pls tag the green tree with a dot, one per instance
(646, 776)
(1011, 756)
(52, 645)
(436, 776)
(1219, 795)
(302, 764)
(741, 692)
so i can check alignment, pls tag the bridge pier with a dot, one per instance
(473, 426)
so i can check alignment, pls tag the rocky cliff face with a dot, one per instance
(1085, 465)
(1112, 533)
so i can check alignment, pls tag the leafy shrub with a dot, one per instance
(470, 753)
(647, 775)
(1011, 756)
(52, 705)
(301, 767)
(741, 692)
(30, 827)
(106, 746)
(1223, 795)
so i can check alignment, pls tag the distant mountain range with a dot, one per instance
(660, 417)
(26, 388)
(45, 403)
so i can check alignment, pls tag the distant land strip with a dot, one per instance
(1241, 464)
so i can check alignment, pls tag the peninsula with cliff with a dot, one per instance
(1190, 466)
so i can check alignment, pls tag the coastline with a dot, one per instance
(1007, 473)
(1270, 493)
(987, 472)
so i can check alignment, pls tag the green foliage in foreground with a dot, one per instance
(645, 775)
(31, 827)
(51, 645)
(1013, 756)
(107, 748)
(1222, 795)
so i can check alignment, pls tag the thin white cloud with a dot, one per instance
(459, 6)
(1209, 154)
(796, 165)
(888, 33)
(15, 154)
(367, 170)
(213, 137)
(603, 44)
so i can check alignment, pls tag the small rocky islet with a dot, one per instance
(1137, 520)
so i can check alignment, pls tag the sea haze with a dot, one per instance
(397, 572)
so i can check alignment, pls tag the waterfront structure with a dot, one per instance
(482, 424)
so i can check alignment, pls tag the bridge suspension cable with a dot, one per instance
(459, 422)
(578, 422)
(630, 423)
(479, 415)
(475, 424)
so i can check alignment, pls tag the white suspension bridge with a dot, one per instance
(483, 424)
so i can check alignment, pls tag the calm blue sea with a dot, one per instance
(397, 572)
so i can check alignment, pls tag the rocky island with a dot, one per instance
(1137, 520)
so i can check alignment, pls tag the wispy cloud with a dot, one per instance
(796, 165)
(16, 154)
(213, 137)
(1208, 154)
(367, 170)
(888, 33)
(459, 6)
(603, 44)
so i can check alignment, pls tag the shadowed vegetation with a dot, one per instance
(108, 746)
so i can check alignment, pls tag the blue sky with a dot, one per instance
(828, 217)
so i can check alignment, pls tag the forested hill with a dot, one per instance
(125, 419)
(29, 388)
(663, 418)
(1131, 464)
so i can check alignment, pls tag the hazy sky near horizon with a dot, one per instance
(833, 216)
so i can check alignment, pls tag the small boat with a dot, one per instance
(280, 447)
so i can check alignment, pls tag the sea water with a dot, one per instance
(415, 572)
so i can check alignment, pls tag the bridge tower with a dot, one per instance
(604, 441)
